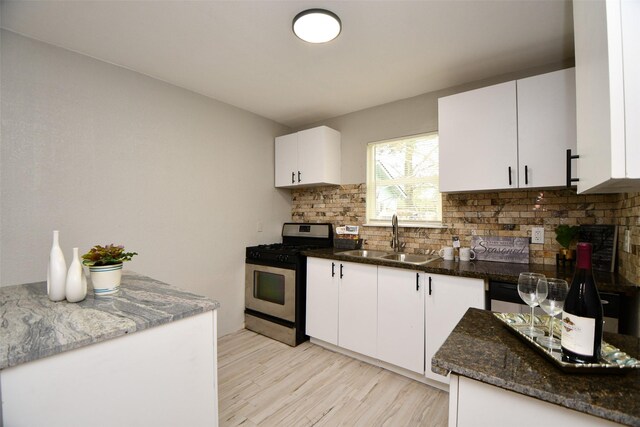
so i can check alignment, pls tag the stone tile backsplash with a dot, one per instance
(504, 213)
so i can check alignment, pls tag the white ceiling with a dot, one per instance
(244, 52)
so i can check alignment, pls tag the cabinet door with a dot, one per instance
(546, 128)
(447, 299)
(401, 318)
(607, 42)
(478, 139)
(319, 156)
(630, 16)
(286, 160)
(322, 299)
(357, 318)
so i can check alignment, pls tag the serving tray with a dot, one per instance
(612, 359)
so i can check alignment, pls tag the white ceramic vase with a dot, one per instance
(76, 285)
(106, 279)
(57, 271)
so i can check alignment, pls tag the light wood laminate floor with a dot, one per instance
(263, 382)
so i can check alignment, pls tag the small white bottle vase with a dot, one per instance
(76, 285)
(57, 272)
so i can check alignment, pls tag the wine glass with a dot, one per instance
(551, 296)
(528, 290)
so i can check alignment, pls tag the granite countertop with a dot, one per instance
(33, 327)
(500, 271)
(482, 348)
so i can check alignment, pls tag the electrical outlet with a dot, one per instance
(537, 235)
(627, 241)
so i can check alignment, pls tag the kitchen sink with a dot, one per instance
(391, 256)
(363, 253)
(410, 258)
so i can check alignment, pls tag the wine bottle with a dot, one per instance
(582, 317)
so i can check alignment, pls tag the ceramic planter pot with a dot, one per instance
(106, 278)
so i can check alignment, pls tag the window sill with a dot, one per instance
(387, 224)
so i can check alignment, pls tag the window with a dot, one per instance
(402, 179)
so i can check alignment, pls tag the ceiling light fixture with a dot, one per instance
(317, 25)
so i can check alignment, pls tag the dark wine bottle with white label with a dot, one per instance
(582, 316)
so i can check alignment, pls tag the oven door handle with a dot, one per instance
(333, 269)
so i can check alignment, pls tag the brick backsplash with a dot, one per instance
(504, 213)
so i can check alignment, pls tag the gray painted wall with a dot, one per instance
(104, 154)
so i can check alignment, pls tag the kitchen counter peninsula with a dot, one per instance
(151, 345)
(492, 368)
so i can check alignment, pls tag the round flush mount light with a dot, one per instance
(317, 25)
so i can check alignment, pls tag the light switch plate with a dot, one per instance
(537, 235)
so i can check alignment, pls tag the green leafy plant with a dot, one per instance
(566, 234)
(106, 255)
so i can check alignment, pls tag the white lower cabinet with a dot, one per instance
(342, 304)
(397, 316)
(322, 299)
(401, 318)
(474, 403)
(358, 308)
(447, 299)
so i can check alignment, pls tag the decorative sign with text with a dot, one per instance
(501, 249)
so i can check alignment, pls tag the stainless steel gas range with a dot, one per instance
(275, 282)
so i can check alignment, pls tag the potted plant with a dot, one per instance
(105, 267)
(567, 235)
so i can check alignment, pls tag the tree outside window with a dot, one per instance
(402, 179)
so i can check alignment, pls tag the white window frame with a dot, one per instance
(371, 190)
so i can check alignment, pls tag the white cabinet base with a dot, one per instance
(384, 365)
(162, 376)
(473, 403)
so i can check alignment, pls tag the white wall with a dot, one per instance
(104, 154)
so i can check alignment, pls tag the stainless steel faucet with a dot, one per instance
(395, 238)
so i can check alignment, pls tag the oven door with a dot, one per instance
(271, 290)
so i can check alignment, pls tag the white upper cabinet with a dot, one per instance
(308, 158)
(511, 135)
(546, 128)
(607, 50)
(478, 132)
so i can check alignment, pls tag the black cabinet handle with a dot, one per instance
(429, 285)
(333, 269)
(299, 176)
(417, 281)
(293, 177)
(569, 158)
(509, 181)
(526, 174)
(341, 271)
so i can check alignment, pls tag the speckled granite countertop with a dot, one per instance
(480, 347)
(33, 327)
(501, 271)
